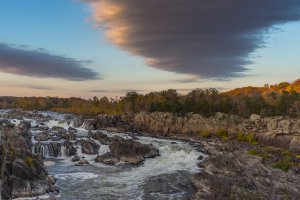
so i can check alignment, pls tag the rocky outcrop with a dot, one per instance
(106, 121)
(276, 131)
(23, 174)
(229, 172)
(128, 151)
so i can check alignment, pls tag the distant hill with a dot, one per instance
(277, 88)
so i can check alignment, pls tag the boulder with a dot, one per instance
(82, 162)
(89, 146)
(75, 158)
(43, 136)
(295, 144)
(132, 151)
(24, 125)
(101, 137)
(107, 158)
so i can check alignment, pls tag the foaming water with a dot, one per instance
(176, 165)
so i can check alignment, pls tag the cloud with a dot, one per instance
(111, 91)
(38, 87)
(37, 63)
(206, 38)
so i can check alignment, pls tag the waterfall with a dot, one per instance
(52, 149)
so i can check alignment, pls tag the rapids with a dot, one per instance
(167, 176)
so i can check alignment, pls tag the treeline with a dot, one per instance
(281, 99)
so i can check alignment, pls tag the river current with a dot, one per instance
(167, 176)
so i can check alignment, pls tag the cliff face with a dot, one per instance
(277, 131)
(23, 174)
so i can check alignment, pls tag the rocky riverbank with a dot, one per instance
(230, 169)
(230, 172)
(277, 131)
(23, 174)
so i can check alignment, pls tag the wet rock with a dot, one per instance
(82, 162)
(89, 146)
(24, 174)
(132, 151)
(70, 136)
(6, 123)
(70, 149)
(44, 136)
(107, 158)
(24, 125)
(75, 158)
(59, 130)
(101, 137)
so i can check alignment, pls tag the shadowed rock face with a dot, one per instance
(276, 131)
(23, 174)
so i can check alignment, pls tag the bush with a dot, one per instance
(250, 137)
(285, 165)
(29, 161)
(222, 133)
(205, 134)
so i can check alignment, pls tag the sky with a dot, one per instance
(87, 48)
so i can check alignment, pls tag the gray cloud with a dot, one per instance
(38, 87)
(206, 38)
(37, 63)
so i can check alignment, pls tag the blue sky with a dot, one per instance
(70, 28)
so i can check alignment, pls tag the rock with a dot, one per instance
(24, 125)
(70, 149)
(72, 130)
(275, 131)
(89, 146)
(82, 162)
(132, 151)
(107, 158)
(75, 158)
(105, 121)
(24, 174)
(59, 130)
(255, 117)
(44, 136)
(101, 137)
(236, 175)
(295, 144)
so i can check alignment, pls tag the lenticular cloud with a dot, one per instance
(206, 38)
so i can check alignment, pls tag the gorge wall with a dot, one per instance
(275, 131)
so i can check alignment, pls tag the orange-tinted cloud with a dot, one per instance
(206, 38)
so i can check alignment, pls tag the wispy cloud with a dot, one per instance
(209, 39)
(114, 91)
(39, 63)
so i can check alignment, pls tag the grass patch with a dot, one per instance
(223, 134)
(257, 152)
(205, 134)
(29, 161)
(250, 137)
(285, 165)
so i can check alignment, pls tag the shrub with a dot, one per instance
(29, 161)
(205, 134)
(250, 137)
(285, 165)
(222, 133)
